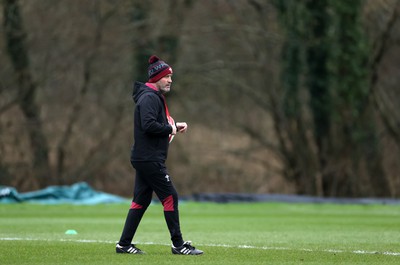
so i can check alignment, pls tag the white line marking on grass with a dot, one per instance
(387, 253)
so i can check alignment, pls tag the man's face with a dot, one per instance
(164, 84)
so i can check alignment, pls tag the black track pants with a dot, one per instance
(152, 176)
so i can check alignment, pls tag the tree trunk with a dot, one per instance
(15, 36)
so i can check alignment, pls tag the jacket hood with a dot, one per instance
(139, 89)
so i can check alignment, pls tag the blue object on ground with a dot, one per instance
(242, 197)
(78, 193)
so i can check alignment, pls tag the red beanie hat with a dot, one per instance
(157, 69)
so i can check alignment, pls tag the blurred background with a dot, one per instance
(281, 96)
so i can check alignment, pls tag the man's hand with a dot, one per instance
(174, 129)
(181, 126)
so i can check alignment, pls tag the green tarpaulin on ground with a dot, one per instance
(79, 193)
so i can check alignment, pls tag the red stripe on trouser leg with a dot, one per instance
(136, 206)
(168, 204)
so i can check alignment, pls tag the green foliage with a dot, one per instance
(330, 35)
(352, 86)
(350, 60)
(274, 233)
(318, 78)
(291, 16)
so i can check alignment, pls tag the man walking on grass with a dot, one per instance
(154, 129)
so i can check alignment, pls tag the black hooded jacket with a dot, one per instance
(151, 128)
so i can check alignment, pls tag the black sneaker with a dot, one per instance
(186, 249)
(131, 249)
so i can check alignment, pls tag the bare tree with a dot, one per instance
(27, 88)
(87, 72)
(252, 125)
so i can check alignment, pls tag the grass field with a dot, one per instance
(245, 233)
